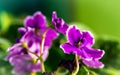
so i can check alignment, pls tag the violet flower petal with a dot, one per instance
(73, 35)
(88, 39)
(93, 63)
(67, 48)
(50, 36)
(63, 29)
(94, 53)
(38, 20)
(14, 47)
(59, 24)
(23, 64)
(22, 30)
(28, 22)
(54, 16)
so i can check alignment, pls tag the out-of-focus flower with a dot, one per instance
(23, 64)
(80, 43)
(29, 45)
(38, 20)
(37, 23)
(59, 24)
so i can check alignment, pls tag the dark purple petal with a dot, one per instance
(73, 35)
(59, 24)
(88, 39)
(54, 17)
(63, 29)
(67, 48)
(30, 43)
(93, 63)
(39, 20)
(22, 30)
(28, 22)
(50, 36)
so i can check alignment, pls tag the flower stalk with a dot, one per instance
(32, 48)
(41, 52)
(39, 57)
(77, 66)
(26, 47)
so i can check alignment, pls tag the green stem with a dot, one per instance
(25, 46)
(41, 52)
(39, 57)
(77, 66)
(42, 65)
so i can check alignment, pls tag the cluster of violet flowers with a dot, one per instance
(32, 49)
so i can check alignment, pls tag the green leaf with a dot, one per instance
(61, 71)
(4, 44)
(5, 68)
(5, 21)
(92, 73)
(112, 51)
(83, 71)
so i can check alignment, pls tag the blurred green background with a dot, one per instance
(102, 17)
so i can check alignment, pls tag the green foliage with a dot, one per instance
(111, 57)
(112, 51)
(5, 21)
(83, 71)
(61, 71)
(5, 68)
(4, 44)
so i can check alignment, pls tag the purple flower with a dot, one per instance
(34, 40)
(59, 24)
(22, 61)
(32, 35)
(37, 23)
(35, 28)
(80, 43)
(23, 64)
